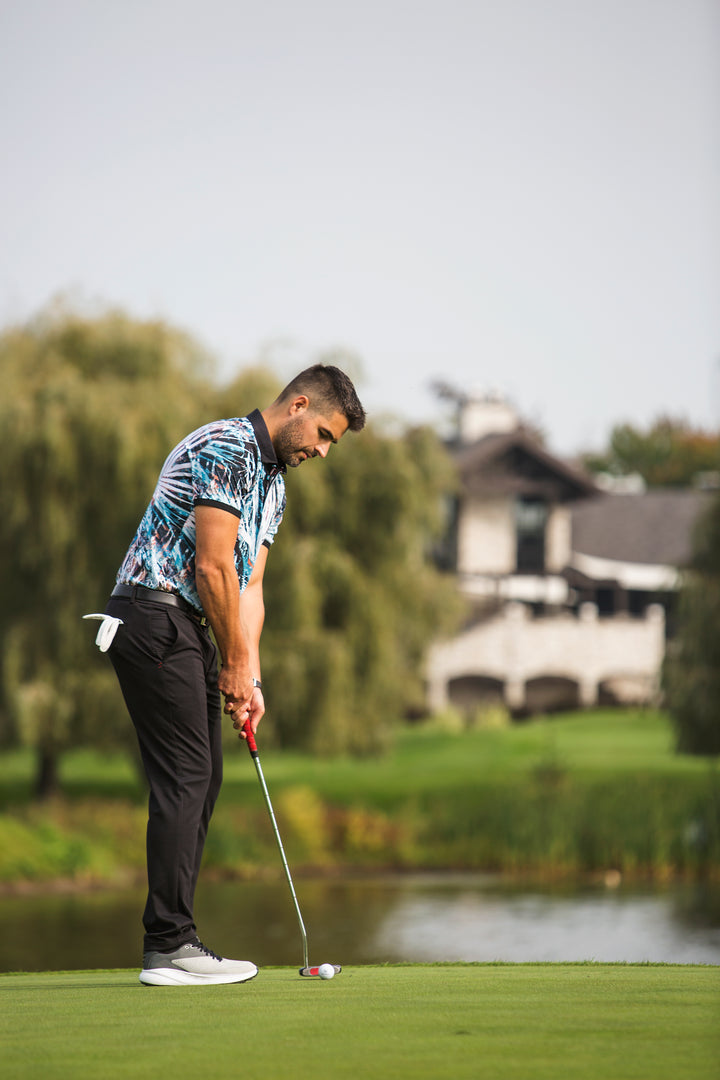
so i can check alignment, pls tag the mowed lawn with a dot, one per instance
(600, 742)
(416, 1022)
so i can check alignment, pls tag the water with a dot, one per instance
(416, 918)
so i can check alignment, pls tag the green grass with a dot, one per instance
(559, 797)
(589, 744)
(518, 1022)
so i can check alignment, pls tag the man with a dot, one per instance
(197, 563)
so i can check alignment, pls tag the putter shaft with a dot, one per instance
(252, 747)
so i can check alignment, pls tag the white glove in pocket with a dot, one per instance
(107, 631)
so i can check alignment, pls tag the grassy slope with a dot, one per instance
(589, 744)
(518, 1022)
(568, 795)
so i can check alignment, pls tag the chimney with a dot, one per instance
(485, 414)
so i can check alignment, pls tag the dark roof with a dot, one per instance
(515, 463)
(654, 527)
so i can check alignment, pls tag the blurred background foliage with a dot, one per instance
(670, 453)
(691, 672)
(92, 405)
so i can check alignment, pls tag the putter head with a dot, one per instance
(314, 972)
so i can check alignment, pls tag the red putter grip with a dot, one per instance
(252, 745)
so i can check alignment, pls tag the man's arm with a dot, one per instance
(236, 620)
(252, 617)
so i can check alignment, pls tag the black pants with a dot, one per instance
(166, 663)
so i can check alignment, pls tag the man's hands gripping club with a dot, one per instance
(241, 705)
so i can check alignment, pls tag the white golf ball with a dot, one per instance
(326, 971)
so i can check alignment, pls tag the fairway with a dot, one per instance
(511, 1021)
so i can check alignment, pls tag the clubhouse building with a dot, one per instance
(570, 585)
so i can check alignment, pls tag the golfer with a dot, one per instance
(196, 564)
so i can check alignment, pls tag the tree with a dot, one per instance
(351, 593)
(691, 673)
(670, 453)
(89, 409)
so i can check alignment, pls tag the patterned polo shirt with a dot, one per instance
(228, 463)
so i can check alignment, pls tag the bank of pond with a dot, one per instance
(582, 797)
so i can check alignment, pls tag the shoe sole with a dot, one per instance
(177, 977)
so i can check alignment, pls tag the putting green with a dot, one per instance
(473, 1020)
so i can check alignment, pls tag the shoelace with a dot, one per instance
(208, 952)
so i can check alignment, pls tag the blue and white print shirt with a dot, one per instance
(228, 463)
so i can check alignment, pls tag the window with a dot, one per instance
(445, 550)
(605, 600)
(638, 601)
(530, 520)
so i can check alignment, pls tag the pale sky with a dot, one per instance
(519, 195)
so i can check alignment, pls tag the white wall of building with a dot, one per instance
(558, 538)
(514, 648)
(486, 536)
(487, 539)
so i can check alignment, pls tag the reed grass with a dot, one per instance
(584, 794)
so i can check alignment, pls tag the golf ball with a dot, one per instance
(326, 971)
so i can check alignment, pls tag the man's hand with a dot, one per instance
(236, 686)
(253, 712)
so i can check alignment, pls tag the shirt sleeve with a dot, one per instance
(223, 474)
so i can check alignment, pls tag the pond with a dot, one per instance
(421, 917)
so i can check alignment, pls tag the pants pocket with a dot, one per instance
(163, 634)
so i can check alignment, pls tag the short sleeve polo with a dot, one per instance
(230, 464)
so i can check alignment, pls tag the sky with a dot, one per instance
(518, 196)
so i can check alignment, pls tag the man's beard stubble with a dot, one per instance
(287, 445)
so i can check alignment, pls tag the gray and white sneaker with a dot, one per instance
(193, 965)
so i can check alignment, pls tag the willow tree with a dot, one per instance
(352, 596)
(89, 410)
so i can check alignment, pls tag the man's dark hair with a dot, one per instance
(328, 390)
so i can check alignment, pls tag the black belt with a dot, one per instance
(157, 596)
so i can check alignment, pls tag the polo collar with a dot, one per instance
(267, 450)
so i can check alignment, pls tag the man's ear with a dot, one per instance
(299, 404)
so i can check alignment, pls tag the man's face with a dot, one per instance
(307, 434)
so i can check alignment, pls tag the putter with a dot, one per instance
(306, 969)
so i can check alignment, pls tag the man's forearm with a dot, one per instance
(252, 617)
(236, 622)
(219, 592)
